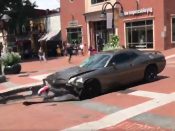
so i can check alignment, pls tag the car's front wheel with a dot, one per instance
(150, 74)
(91, 89)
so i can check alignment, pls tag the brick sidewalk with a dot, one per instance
(143, 107)
(34, 71)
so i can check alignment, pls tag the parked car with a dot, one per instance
(104, 71)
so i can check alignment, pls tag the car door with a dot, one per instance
(120, 69)
(136, 66)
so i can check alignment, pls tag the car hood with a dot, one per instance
(66, 74)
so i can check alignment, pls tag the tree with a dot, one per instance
(19, 10)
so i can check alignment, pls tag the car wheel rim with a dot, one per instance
(151, 76)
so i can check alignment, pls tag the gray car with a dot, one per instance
(103, 71)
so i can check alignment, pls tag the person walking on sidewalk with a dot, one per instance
(69, 52)
(41, 54)
(82, 48)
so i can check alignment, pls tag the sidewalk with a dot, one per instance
(34, 71)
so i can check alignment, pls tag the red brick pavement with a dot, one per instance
(34, 68)
(57, 116)
(120, 99)
(130, 125)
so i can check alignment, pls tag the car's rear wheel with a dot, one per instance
(150, 73)
(91, 89)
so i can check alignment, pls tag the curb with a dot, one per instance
(21, 88)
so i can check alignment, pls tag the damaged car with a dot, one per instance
(103, 71)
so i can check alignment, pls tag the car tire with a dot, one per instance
(150, 74)
(91, 89)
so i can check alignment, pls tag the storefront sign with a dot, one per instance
(137, 12)
(73, 23)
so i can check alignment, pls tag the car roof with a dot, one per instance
(117, 51)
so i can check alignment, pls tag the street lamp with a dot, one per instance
(103, 13)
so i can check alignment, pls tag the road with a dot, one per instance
(147, 106)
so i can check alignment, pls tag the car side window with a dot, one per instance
(121, 58)
(132, 55)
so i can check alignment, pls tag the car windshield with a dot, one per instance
(96, 61)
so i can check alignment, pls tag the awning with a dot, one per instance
(50, 36)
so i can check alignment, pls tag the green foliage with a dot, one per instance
(113, 44)
(19, 11)
(10, 59)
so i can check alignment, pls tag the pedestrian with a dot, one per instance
(81, 48)
(100, 43)
(90, 50)
(41, 54)
(58, 50)
(69, 52)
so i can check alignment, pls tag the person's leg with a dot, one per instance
(44, 58)
(82, 52)
(40, 58)
(69, 58)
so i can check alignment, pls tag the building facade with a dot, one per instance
(98, 32)
(144, 25)
(147, 24)
(73, 23)
(45, 31)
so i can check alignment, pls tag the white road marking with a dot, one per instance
(169, 57)
(40, 77)
(120, 116)
(148, 94)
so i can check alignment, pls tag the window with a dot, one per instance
(97, 1)
(74, 35)
(96, 61)
(173, 29)
(139, 34)
(121, 58)
(132, 55)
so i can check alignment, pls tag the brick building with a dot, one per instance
(147, 24)
(73, 23)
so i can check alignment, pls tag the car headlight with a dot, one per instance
(71, 80)
(76, 81)
(79, 80)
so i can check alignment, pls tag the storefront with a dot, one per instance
(73, 24)
(98, 32)
(147, 24)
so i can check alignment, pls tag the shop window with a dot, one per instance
(97, 1)
(173, 30)
(74, 35)
(139, 34)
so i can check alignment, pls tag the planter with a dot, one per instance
(14, 69)
(2, 78)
